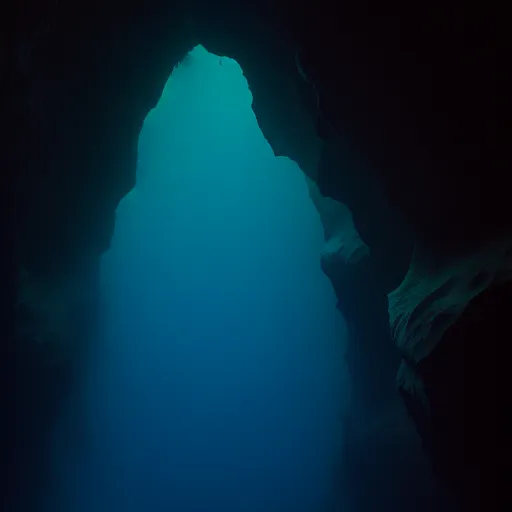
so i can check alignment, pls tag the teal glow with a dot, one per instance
(219, 385)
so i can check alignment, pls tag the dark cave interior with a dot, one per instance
(391, 109)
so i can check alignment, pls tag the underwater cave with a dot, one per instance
(255, 256)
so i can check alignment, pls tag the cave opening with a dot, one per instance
(219, 382)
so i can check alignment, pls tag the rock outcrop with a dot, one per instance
(343, 245)
(430, 314)
(431, 298)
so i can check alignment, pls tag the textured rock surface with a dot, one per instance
(343, 245)
(397, 120)
(430, 299)
(447, 321)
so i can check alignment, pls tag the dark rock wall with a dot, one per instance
(393, 111)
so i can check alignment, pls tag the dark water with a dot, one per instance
(220, 383)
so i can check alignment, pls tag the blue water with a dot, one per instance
(219, 384)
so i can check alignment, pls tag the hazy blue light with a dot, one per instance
(219, 385)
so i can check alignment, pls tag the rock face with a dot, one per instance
(343, 245)
(430, 300)
(445, 320)
(392, 113)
